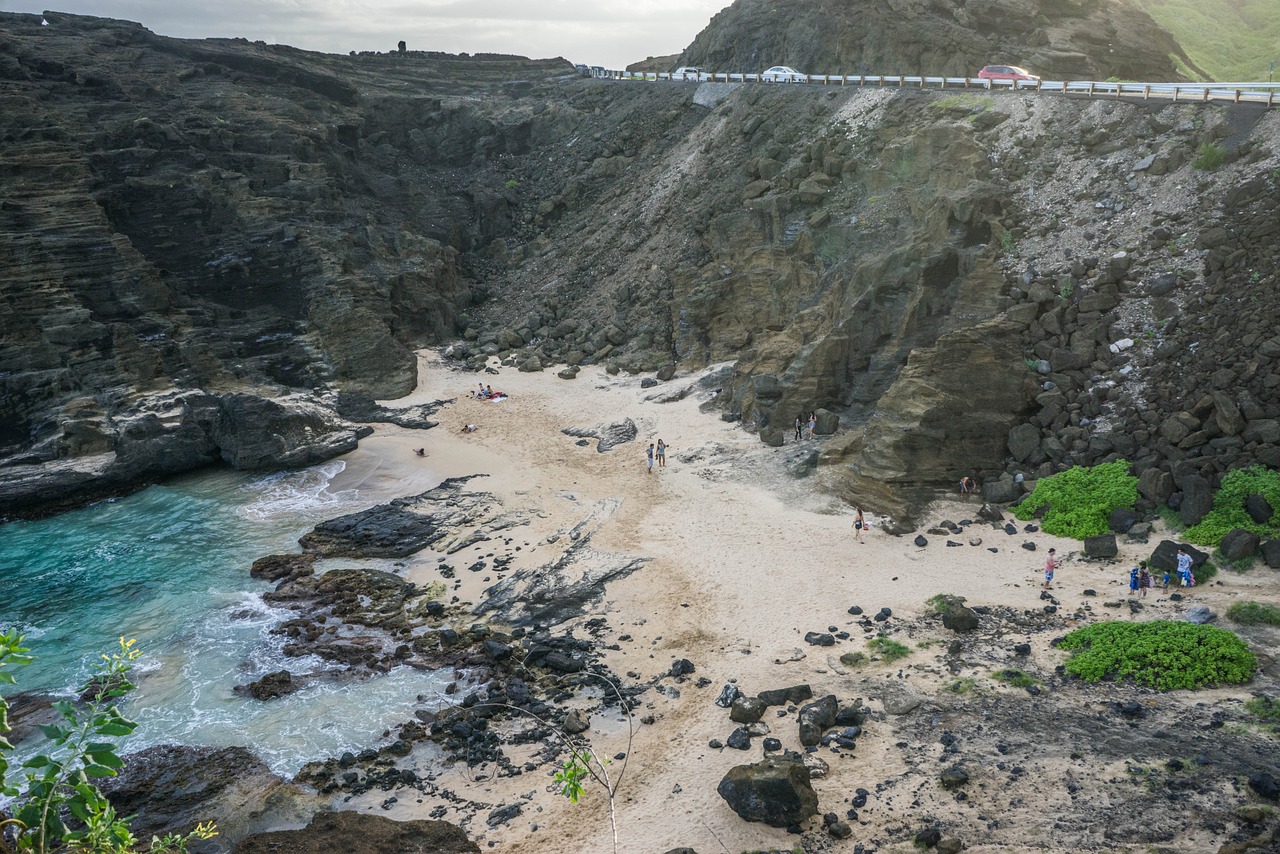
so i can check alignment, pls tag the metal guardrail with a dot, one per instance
(1266, 94)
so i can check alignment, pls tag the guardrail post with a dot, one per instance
(1039, 85)
(1204, 95)
(1175, 93)
(882, 81)
(1064, 87)
(1090, 88)
(862, 80)
(1146, 92)
(1271, 97)
(1237, 99)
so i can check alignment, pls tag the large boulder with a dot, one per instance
(1197, 500)
(1271, 553)
(610, 435)
(260, 433)
(1155, 485)
(170, 788)
(827, 422)
(1001, 490)
(1238, 544)
(1024, 440)
(1165, 556)
(775, 791)
(1259, 509)
(958, 618)
(1122, 519)
(1103, 545)
(361, 833)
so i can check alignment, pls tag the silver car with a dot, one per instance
(782, 74)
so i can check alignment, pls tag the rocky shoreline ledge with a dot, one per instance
(979, 715)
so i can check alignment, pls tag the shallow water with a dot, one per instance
(169, 566)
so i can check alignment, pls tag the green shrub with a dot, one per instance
(1014, 677)
(1080, 500)
(961, 686)
(888, 649)
(1266, 710)
(1171, 518)
(942, 601)
(1254, 614)
(1228, 506)
(1160, 654)
(1209, 157)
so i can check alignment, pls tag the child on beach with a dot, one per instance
(649, 456)
(1050, 565)
(1165, 586)
(1134, 577)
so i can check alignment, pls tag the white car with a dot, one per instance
(782, 74)
(687, 72)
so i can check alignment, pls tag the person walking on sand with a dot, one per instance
(1144, 579)
(1135, 576)
(859, 524)
(661, 454)
(649, 456)
(1050, 566)
(799, 427)
(813, 423)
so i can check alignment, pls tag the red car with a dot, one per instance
(1006, 72)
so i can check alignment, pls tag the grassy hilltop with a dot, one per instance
(1232, 40)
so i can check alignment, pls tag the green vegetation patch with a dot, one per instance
(888, 649)
(964, 685)
(1254, 614)
(1229, 39)
(1160, 654)
(1079, 501)
(1209, 157)
(942, 601)
(1228, 506)
(1015, 678)
(1266, 710)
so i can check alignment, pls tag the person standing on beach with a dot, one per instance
(1050, 566)
(813, 423)
(649, 455)
(1135, 577)
(1184, 568)
(1144, 579)
(859, 524)
(799, 426)
(661, 454)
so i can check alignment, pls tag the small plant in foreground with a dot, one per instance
(888, 649)
(1015, 678)
(57, 785)
(1250, 613)
(1159, 654)
(1079, 501)
(1209, 157)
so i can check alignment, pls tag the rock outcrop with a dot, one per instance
(360, 833)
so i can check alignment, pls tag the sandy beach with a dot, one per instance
(741, 560)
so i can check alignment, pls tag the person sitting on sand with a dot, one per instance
(470, 428)
(422, 452)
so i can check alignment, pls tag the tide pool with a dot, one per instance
(169, 566)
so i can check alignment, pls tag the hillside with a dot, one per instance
(200, 225)
(1072, 40)
(1231, 40)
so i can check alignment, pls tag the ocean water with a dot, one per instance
(169, 566)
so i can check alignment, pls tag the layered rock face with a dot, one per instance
(1086, 40)
(194, 228)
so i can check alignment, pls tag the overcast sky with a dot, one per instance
(597, 32)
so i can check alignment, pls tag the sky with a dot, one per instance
(596, 32)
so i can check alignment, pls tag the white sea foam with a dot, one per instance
(286, 494)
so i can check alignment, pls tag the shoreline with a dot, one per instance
(739, 563)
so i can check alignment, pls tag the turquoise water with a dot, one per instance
(169, 566)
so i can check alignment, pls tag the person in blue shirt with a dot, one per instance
(1133, 580)
(1184, 568)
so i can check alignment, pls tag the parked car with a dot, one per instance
(782, 74)
(687, 72)
(1006, 72)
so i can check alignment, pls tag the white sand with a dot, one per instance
(742, 562)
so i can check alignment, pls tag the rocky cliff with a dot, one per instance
(1059, 39)
(951, 275)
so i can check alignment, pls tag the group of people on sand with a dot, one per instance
(486, 392)
(811, 423)
(656, 453)
(1142, 579)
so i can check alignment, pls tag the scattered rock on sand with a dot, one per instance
(958, 618)
(775, 791)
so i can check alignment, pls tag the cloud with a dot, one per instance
(610, 34)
